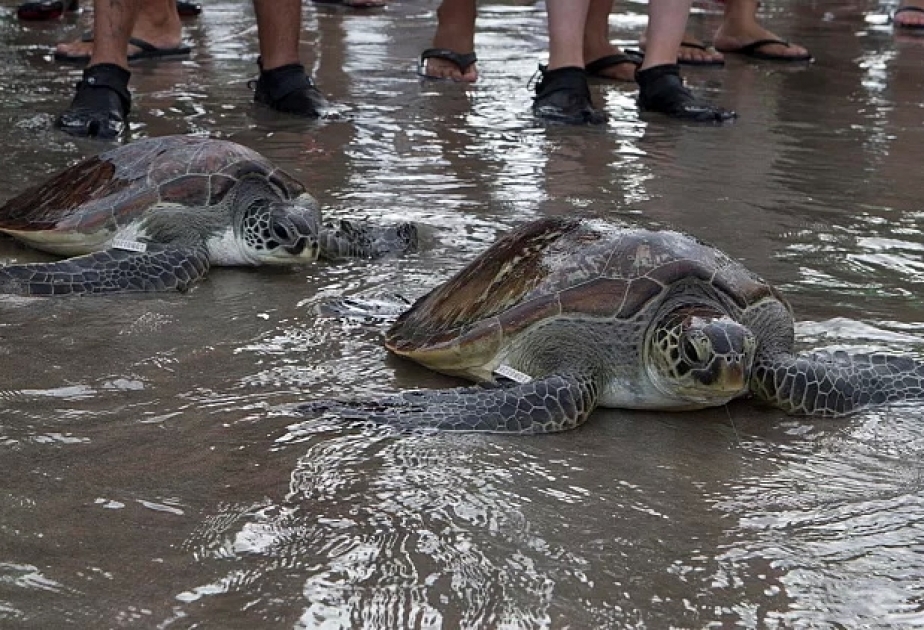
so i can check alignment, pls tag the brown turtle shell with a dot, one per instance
(560, 267)
(114, 188)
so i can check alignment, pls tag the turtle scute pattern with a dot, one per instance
(563, 266)
(572, 301)
(117, 186)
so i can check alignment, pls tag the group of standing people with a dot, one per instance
(579, 47)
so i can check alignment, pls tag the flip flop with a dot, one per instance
(639, 55)
(146, 50)
(911, 27)
(461, 60)
(596, 67)
(753, 51)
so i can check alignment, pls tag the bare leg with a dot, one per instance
(157, 23)
(279, 23)
(740, 28)
(667, 21)
(597, 42)
(567, 19)
(455, 31)
(909, 18)
(113, 21)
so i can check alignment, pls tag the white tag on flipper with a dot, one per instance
(514, 375)
(132, 246)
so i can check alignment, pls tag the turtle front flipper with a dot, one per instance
(359, 239)
(836, 383)
(547, 405)
(158, 268)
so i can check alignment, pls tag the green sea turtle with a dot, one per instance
(155, 214)
(579, 313)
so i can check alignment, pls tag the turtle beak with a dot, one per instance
(725, 374)
(305, 247)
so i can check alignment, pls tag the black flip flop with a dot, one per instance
(461, 60)
(146, 50)
(910, 27)
(753, 51)
(640, 56)
(596, 67)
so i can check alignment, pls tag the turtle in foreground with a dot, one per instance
(154, 215)
(563, 315)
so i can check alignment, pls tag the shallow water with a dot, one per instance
(154, 474)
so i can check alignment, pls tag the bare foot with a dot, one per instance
(729, 38)
(439, 68)
(907, 15)
(622, 71)
(692, 50)
(455, 31)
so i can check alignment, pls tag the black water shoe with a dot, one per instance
(562, 95)
(101, 104)
(289, 89)
(661, 90)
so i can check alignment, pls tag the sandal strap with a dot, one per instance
(461, 60)
(608, 61)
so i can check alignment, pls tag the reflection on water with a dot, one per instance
(154, 476)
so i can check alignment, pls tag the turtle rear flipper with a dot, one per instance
(359, 239)
(158, 268)
(548, 405)
(837, 383)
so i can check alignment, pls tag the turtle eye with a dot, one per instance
(690, 350)
(281, 232)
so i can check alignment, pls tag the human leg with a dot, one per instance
(562, 95)
(603, 59)
(455, 34)
(102, 101)
(740, 32)
(283, 84)
(660, 87)
(158, 24)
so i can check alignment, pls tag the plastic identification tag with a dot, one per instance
(514, 375)
(132, 246)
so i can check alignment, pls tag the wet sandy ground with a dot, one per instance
(154, 475)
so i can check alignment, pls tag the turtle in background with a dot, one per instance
(563, 315)
(156, 214)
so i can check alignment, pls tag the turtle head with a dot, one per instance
(281, 232)
(701, 355)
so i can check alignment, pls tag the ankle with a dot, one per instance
(110, 76)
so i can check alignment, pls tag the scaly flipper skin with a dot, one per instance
(555, 403)
(160, 268)
(837, 383)
(359, 239)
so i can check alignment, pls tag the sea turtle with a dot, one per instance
(581, 313)
(155, 214)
